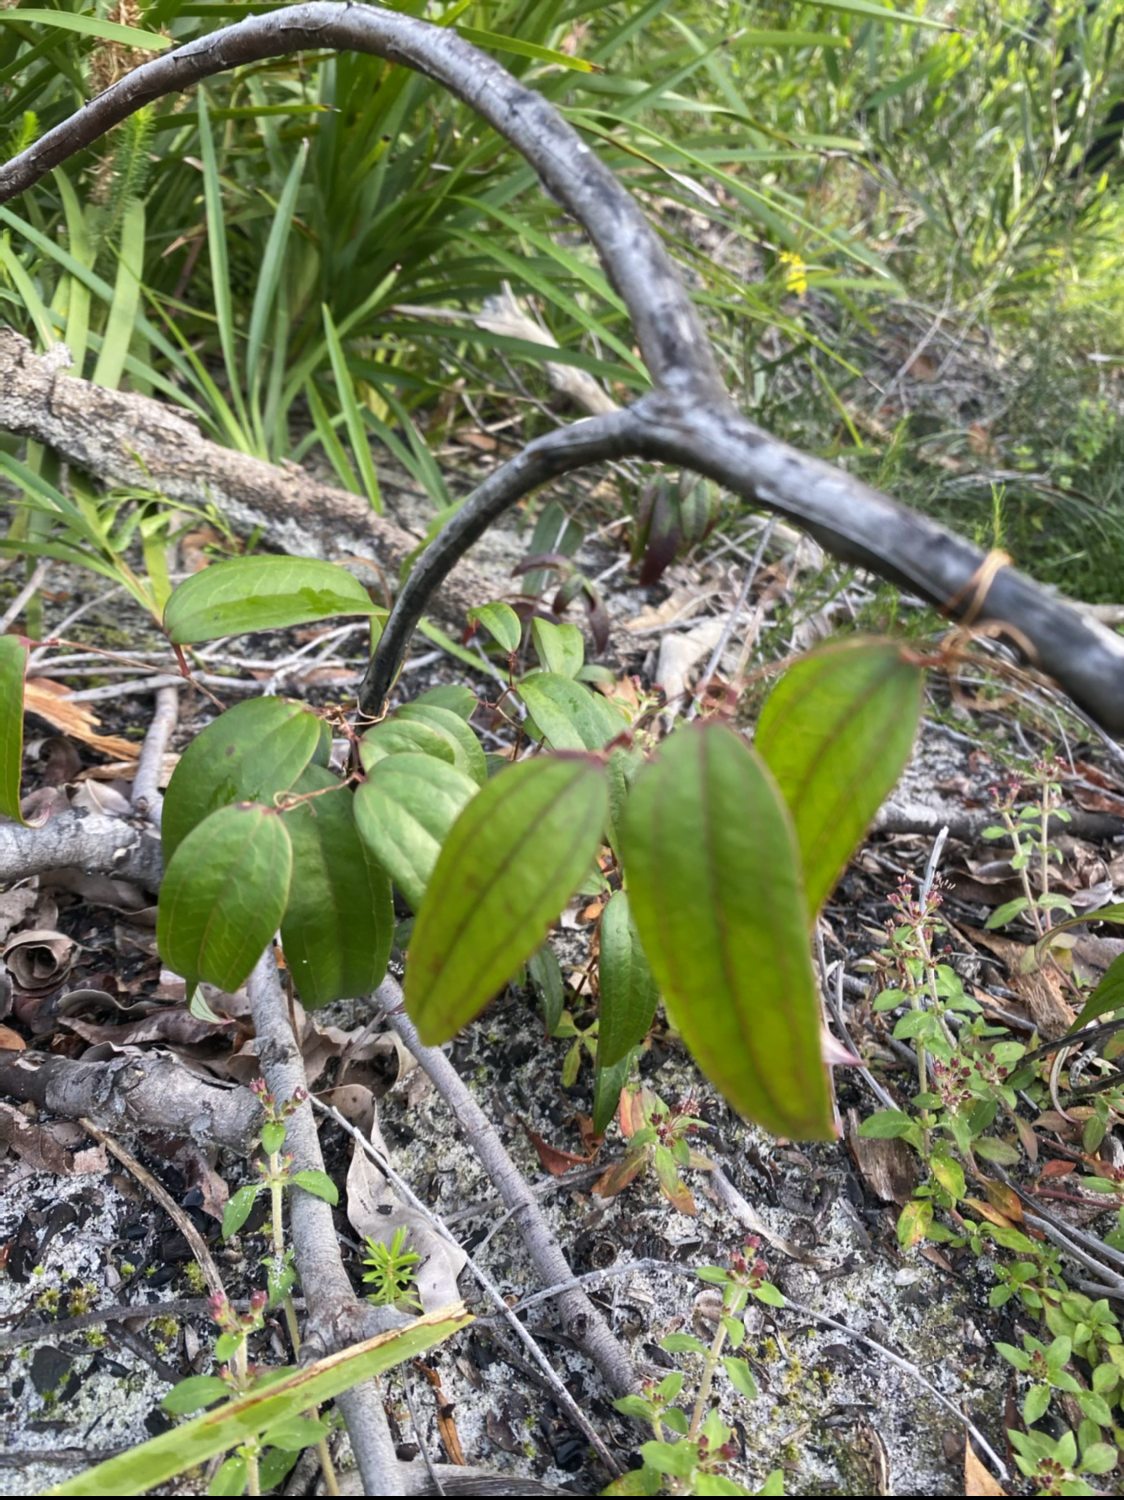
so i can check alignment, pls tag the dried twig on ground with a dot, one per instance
(583, 1321)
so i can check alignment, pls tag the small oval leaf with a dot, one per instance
(261, 593)
(714, 886)
(451, 695)
(250, 752)
(502, 624)
(836, 732)
(224, 894)
(512, 860)
(628, 991)
(467, 754)
(402, 737)
(13, 665)
(560, 648)
(570, 716)
(404, 811)
(339, 922)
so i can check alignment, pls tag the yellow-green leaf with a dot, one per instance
(836, 732)
(13, 665)
(261, 593)
(512, 860)
(287, 1395)
(714, 885)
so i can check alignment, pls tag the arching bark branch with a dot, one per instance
(689, 420)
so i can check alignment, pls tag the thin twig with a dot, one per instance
(147, 797)
(179, 1218)
(565, 1400)
(38, 576)
(731, 620)
(583, 1321)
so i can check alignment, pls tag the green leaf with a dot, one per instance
(546, 977)
(273, 1136)
(677, 1459)
(560, 647)
(1108, 995)
(682, 1343)
(569, 715)
(467, 754)
(350, 407)
(319, 1184)
(886, 1125)
(714, 884)
(741, 1377)
(514, 857)
(295, 1433)
(769, 1294)
(1035, 1403)
(261, 593)
(628, 991)
(231, 1477)
(194, 1393)
(224, 894)
(237, 1211)
(607, 1084)
(1007, 912)
(88, 26)
(121, 323)
(452, 695)
(836, 732)
(397, 736)
(191, 1444)
(913, 1222)
(991, 1148)
(339, 923)
(255, 749)
(13, 666)
(404, 811)
(502, 624)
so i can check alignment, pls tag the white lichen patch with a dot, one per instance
(104, 1391)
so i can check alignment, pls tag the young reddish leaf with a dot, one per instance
(13, 664)
(253, 750)
(714, 885)
(836, 732)
(339, 922)
(628, 991)
(261, 593)
(512, 860)
(224, 894)
(404, 811)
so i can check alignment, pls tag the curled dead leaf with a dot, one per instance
(39, 960)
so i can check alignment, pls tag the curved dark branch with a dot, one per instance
(590, 441)
(672, 342)
(862, 526)
(688, 420)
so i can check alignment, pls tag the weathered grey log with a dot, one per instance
(129, 1093)
(688, 419)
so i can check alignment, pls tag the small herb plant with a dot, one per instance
(966, 1126)
(392, 1272)
(689, 1453)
